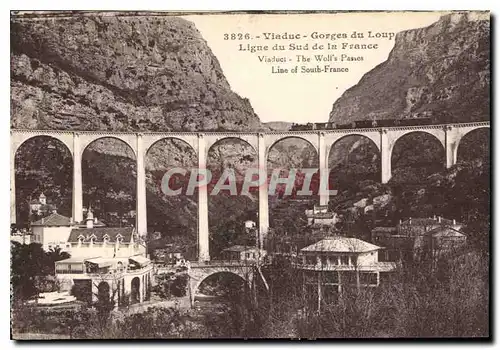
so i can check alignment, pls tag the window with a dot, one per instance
(344, 260)
(310, 260)
(105, 238)
(324, 260)
(334, 260)
(348, 277)
(330, 277)
(368, 278)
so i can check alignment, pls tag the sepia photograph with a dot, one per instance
(250, 175)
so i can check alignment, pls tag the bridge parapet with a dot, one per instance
(208, 264)
(384, 138)
(252, 133)
(215, 263)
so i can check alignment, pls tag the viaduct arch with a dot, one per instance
(437, 137)
(449, 136)
(373, 141)
(198, 275)
(64, 148)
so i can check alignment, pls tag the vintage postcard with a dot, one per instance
(242, 175)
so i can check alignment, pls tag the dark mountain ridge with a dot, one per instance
(440, 71)
(119, 73)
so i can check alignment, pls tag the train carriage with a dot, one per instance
(364, 124)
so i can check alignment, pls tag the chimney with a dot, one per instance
(439, 219)
(434, 216)
(409, 221)
(90, 219)
(454, 222)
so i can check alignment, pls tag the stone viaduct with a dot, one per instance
(199, 271)
(448, 135)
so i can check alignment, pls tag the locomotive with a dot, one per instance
(364, 124)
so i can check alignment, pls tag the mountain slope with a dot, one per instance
(119, 73)
(440, 71)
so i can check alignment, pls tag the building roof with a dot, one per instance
(101, 262)
(100, 232)
(38, 201)
(341, 245)
(140, 260)
(239, 248)
(385, 266)
(445, 232)
(428, 221)
(97, 223)
(328, 215)
(385, 229)
(71, 260)
(53, 219)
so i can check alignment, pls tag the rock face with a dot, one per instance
(150, 73)
(441, 71)
(140, 73)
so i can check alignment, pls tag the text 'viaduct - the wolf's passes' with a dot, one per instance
(449, 136)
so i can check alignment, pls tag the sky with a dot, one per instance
(300, 97)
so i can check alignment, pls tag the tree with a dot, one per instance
(28, 262)
(56, 254)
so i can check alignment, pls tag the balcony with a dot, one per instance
(381, 266)
(224, 263)
(68, 272)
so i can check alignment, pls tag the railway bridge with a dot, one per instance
(199, 271)
(448, 135)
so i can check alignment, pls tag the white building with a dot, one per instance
(52, 231)
(335, 264)
(21, 236)
(320, 215)
(105, 262)
(40, 206)
(243, 253)
(104, 241)
(119, 277)
(420, 238)
(417, 226)
(249, 225)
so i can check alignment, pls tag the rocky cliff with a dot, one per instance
(151, 73)
(120, 73)
(440, 71)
